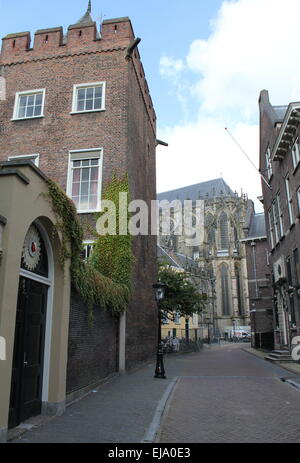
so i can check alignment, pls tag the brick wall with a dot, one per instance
(126, 130)
(290, 240)
(260, 292)
(92, 350)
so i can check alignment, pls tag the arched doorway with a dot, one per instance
(30, 355)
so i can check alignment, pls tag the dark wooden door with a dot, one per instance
(27, 371)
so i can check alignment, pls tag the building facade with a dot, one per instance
(259, 283)
(77, 105)
(279, 165)
(219, 251)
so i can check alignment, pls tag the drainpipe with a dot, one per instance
(131, 47)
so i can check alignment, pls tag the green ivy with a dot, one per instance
(112, 254)
(94, 287)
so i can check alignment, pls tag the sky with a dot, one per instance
(206, 62)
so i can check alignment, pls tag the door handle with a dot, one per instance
(25, 363)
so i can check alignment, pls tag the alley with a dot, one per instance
(228, 395)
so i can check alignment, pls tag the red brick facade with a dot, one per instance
(125, 130)
(279, 132)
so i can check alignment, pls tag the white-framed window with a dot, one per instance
(298, 198)
(275, 220)
(35, 158)
(88, 97)
(268, 163)
(289, 200)
(84, 179)
(280, 216)
(29, 104)
(271, 229)
(177, 317)
(295, 153)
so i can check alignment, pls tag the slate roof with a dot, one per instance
(257, 226)
(165, 257)
(204, 190)
(280, 112)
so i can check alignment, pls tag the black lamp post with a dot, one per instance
(159, 295)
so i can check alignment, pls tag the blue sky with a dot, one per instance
(165, 27)
(206, 62)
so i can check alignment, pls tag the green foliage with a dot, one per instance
(112, 254)
(181, 294)
(93, 287)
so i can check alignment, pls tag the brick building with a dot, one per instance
(78, 106)
(279, 164)
(219, 253)
(259, 282)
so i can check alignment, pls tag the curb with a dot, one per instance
(261, 355)
(153, 429)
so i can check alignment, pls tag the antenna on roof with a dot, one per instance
(244, 152)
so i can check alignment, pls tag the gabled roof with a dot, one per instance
(257, 229)
(204, 190)
(280, 112)
(164, 257)
(257, 226)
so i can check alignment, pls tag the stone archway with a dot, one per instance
(30, 205)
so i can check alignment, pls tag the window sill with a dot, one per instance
(88, 111)
(27, 118)
(90, 211)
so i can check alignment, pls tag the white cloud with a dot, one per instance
(170, 67)
(253, 45)
(204, 151)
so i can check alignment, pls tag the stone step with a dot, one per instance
(279, 356)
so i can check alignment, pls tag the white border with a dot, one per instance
(17, 99)
(69, 178)
(90, 84)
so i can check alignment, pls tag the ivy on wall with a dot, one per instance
(112, 254)
(108, 289)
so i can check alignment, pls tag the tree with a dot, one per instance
(181, 295)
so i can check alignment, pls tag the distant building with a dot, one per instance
(279, 164)
(197, 326)
(220, 251)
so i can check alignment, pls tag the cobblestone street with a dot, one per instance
(225, 394)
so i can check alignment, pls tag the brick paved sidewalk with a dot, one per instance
(119, 411)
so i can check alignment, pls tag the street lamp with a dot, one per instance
(159, 295)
